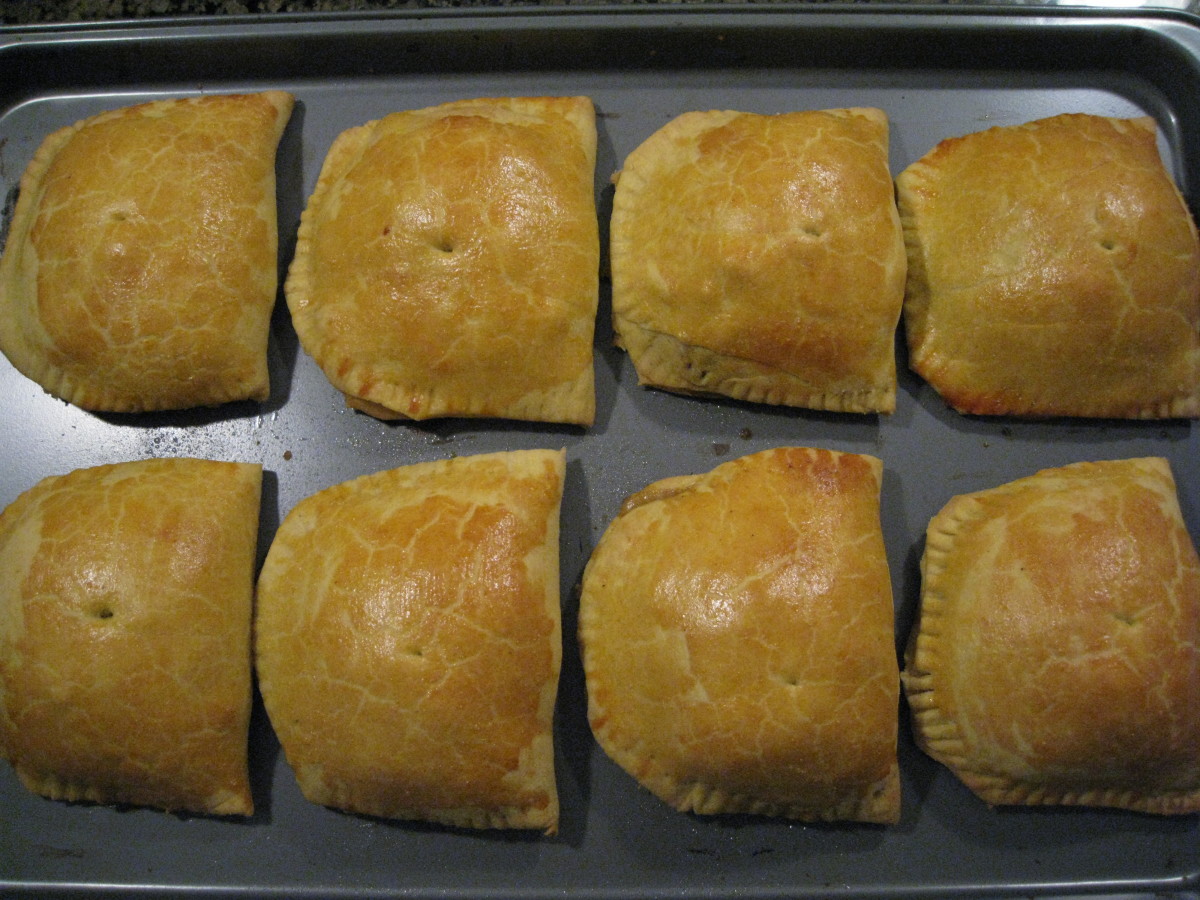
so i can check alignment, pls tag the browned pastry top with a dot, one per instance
(761, 257)
(409, 641)
(140, 269)
(125, 612)
(1057, 655)
(1054, 270)
(447, 263)
(738, 641)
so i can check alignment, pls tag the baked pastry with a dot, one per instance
(125, 613)
(140, 269)
(409, 641)
(447, 262)
(760, 257)
(738, 642)
(1054, 270)
(1056, 659)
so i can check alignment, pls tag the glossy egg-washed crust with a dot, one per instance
(125, 613)
(408, 640)
(761, 257)
(1057, 655)
(140, 269)
(1054, 270)
(738, 644)
(447, 262)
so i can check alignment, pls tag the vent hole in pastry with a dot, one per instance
(1108, 245)
(100, 611)
(445, 245)
(812, 231)
(122, 213)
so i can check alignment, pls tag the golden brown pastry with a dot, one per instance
(409, 641)
(125, 613)
(447, 263)
(1054, 270)
(738, 644)
(761, 257)
(140, 269)
(1057, 655)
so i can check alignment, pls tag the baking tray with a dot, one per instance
(937, 72)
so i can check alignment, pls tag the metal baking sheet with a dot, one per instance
(937, 73)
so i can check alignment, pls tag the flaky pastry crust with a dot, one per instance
(738, 644)
(1054, 270)
(125, 613)
(140, 269)
(1056, 659)
(760, 257)
(408, 641)
(447, 262)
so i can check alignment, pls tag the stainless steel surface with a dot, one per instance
(937, 74)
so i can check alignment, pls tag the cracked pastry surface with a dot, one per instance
(738, 643)
(1056, 659)
(141, 267)
(408, 640)
(125, 613)
(447, 262)
(1054, 270)
(760, 257)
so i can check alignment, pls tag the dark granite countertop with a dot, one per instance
(21, 12)
(29, 12)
